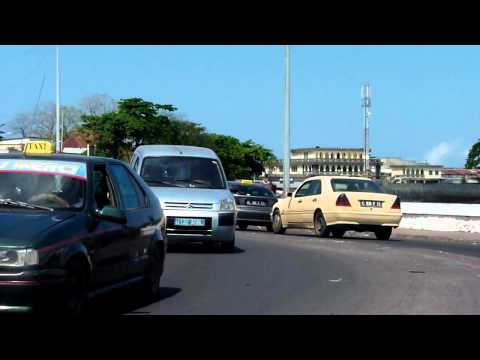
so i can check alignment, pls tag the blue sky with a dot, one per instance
(425, 98)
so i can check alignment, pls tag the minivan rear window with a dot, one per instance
(182, 171)
(356, 185)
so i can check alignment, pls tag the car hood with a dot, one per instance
(21, 229)
(190, 195)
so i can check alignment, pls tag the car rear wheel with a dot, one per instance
(242, 226)
(338, 233)
(228, 246)
(320, 225)
(277, 226)
(383, 233)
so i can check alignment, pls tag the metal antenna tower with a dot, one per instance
(366, 105)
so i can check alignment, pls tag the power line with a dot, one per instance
(38, 98)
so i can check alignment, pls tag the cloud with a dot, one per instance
(438, 153)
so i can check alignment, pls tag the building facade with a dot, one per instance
(306, 162)
(399, 171)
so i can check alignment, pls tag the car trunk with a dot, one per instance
(259, 202)
(368, 202)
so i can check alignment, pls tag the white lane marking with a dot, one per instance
(336, 280)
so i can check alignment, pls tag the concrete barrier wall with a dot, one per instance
(441, 217)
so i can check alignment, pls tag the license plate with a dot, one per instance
(189, 222)
(371, 203)
(256, 203)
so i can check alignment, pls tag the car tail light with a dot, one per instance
(343, 200)
(396, 204)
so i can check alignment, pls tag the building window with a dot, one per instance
(422, 172)
(360, 156)
(305, 155)
(294, 169)
(338, 155)
(403, 171)
(344, 156)
(436, 172)
(429, 172)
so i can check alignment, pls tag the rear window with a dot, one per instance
(356, 185)
(246, 190)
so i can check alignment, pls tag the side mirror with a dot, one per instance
(112, 214)
(289, 194)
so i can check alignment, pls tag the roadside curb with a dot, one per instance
(450, 236)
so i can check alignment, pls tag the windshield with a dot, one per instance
(180, 171)
(356, 185)
(238, 189)
(52, 184)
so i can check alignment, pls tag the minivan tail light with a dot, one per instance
(343, 200)
(396, 204)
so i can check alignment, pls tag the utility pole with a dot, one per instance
(57, 147)
(61, 137)
(286, 126)
(366, 104)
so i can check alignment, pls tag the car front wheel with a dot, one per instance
(151, 281)
(75, 289)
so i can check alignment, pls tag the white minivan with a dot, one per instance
(193, 191)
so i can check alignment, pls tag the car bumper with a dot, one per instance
(254, 215)
(221, 226)
(24, 291)
(354, 218)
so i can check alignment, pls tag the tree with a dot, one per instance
(473, 159)
(97, 104)
(42, 123)
(135, 122)
(1, 132)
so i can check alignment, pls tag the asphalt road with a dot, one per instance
(298, 273)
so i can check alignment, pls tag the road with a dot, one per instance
(298, 273)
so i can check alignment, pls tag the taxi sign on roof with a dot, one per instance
(38, 147)
(246, 182)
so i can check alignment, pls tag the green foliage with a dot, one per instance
(138, 122)
(473, 159)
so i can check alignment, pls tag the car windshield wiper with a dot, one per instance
(196, 182)
(15, 203)
(158, 182)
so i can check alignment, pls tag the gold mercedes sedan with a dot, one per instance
(336, 204)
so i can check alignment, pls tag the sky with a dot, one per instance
(425, 99)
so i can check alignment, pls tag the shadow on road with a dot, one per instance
(351, 236)
(122, 301)
(200, 249)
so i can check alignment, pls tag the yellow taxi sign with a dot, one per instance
(246, 182)
(38, 147)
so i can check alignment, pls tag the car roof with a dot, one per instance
(330, 177)
(175, 150)
(246, 185)
(62, 157)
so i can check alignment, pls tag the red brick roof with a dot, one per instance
(461, 172)
(75, 142)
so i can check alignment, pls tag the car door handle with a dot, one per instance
(314, 200)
